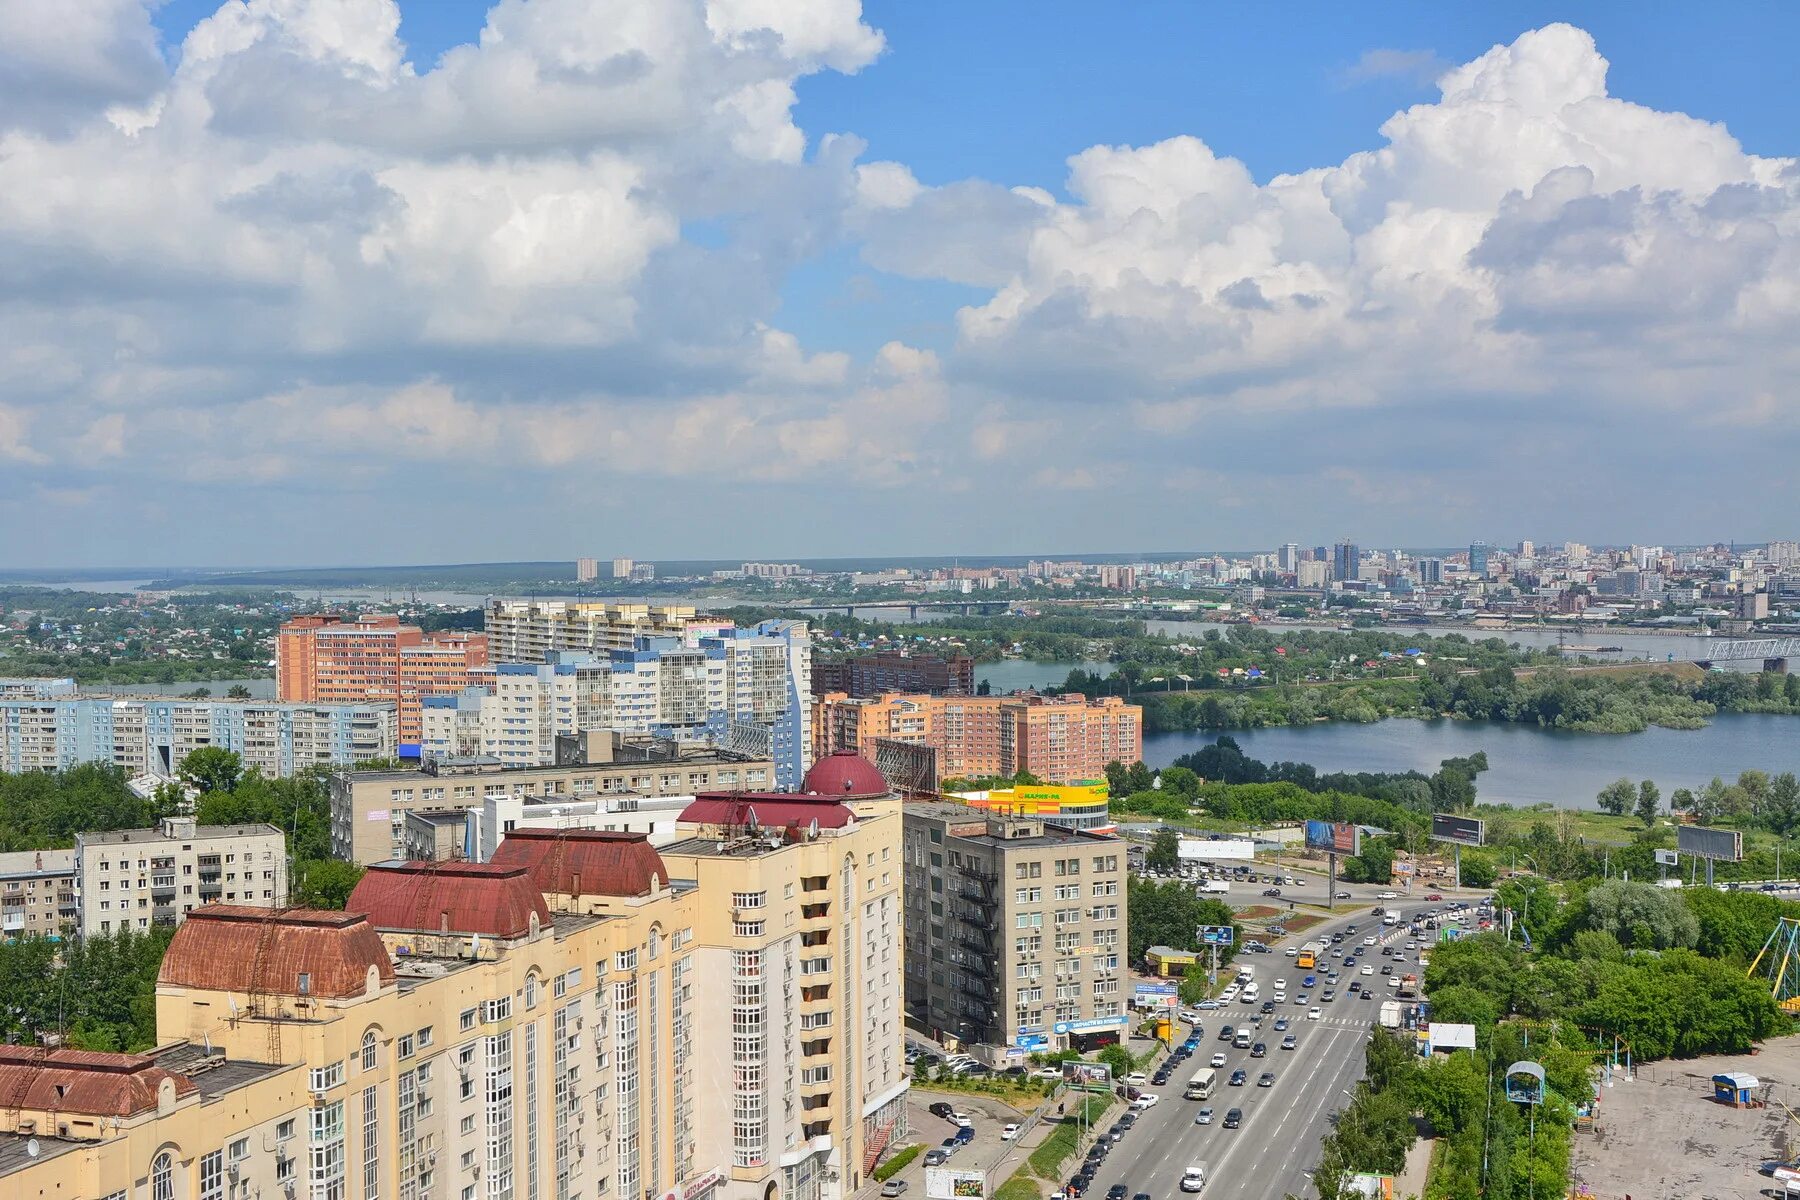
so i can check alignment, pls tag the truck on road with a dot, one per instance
(1215, 887)
(1409, 987)
(1390, 1014)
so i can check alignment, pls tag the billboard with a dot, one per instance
(1667, 858)
(1088, 1075)
(1463, 831)
(1216, 935)
(1726, 845)
(949, 1183)
(1155, 995)
(1234, 848)
(1328, 835)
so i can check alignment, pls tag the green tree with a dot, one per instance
(1478, 870)
(324, 882)
(1164, 852)
(237, 691)
(1193, 984)
(1648, 800)
(210, 769)
(1118, 1058)
(1617, 797)
(1681, 800)
(1640, 914)
(1116, 781)
(1138, 778)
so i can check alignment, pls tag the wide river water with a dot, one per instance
(1527, 765)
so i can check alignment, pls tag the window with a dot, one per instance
(468, 1019)
(468, 1124)
(404, 1046)
(162, 1177)
(749, 899)
(325, 1078)
(425, 1036)
(1030, 895)
(368, 1050)
(212, 1176)
(625, 960)
(371, 1144)
(497, 1009)
(240, 1150)
(285, 1130)
(747, 928)
(531, 991)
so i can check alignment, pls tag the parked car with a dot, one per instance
(893, 1187)
(1136, 1079)
(1147, 1100)
(936, 1157)
(940, 1109)
(962, 1120)
(1009, 1131)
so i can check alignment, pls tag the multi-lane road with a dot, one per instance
(1271, 1155)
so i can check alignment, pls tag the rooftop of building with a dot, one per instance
(847, 775)
(623, 753)
(22, 863)
(439, 816)
(123, 837)
(1046, 835)
(767, 812)
(19, 1150)
(585, 862)
(491, 899)
(84, 1082)
(286, 952)
(211, 1072)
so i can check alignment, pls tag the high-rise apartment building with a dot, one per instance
(1431, 570)
(892, 671)
(369, 808)
(375, 657)
(1345, 560)
(1059, 739)
(1288, 557)
(137, 878)
(148, 736)
(587, 570)
(1312, 573)
(1015, 930)
(37, 689)
(527, 631)
(583, 1017)
(623, 567)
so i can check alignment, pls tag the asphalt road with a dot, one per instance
(1271, 1155)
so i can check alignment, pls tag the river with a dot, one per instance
(1527, 765)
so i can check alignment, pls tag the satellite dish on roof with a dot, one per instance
(31, 1148)
(750, 819)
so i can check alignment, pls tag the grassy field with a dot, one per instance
(1047, 1160)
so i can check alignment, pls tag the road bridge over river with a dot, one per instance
(1774, 652)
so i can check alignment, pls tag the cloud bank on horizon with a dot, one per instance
(527, 300)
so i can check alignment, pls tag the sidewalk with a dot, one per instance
(1411, 1183)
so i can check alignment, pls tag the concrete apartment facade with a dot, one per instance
(528, 631)
(368, 808)
(37, 893)
(147, 736)
(583, 1018)
(374, 658)
(890, 671)
(1060, 739)
(1015, 930)
(137, 878)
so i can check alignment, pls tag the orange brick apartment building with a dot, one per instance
(328, 659)
(1056, 738)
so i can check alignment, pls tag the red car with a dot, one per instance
(1433, 898)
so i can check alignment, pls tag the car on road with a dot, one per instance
(1147, 1100)
(1271, 891)
(1327, 996)
(964, 1135)
(1368, 994)
(1309, 981)
(1393, 981)
(1268, 1006)
(1076, 1186)
(1009, 1131)
(1140, 1196)
(1343, 895)
(1434, 898)
(1234, 1117)
(1290, 1042)
(1161, 1077)
(1136, 1079)
(1204, 1117)
(1389, 896)
(893, 1187)
(1281, 1025)
(1194, 1178)
(1117, 1191)
(1313, 1014)
(1116, 1133)
(1266, 1079)
(1368, 968)
(962, 1120)
(1258, 1050)
(1300, 997)
(1239, 1077)
(1208, 1005)
(1226, 1033)
(940, 1109)
(1292, 952)
(1218, 1060)
(936, 1157)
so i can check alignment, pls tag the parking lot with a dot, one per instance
(986, 1150)
(1663, 1135)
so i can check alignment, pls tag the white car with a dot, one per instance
(1292, 952)
(1367, 969)
(1135, 1079)
(1048, 1072)
(1009, 1131)
(1313, 1014)
(1218, 1060)
(1389, 896)
(961, 1120)
(1369, 941)
(1393, 981)
(1145, 1100)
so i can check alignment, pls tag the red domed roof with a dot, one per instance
(585, 862)
(845, 773)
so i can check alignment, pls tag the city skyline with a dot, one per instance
(1426, 271)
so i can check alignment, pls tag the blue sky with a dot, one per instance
(698, 278)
